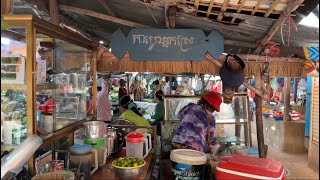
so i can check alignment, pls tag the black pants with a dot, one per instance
(158, 124)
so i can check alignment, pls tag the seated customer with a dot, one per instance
(130, 112)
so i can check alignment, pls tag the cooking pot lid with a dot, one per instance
(81, 148)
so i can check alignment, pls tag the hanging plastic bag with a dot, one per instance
(226, 111)
(274, 83)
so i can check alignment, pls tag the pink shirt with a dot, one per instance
(103, 103)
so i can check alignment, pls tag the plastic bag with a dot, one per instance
(226, 111)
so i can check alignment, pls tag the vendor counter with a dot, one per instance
(107, 171)
(285, 137)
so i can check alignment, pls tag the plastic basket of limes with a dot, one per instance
(128, 167)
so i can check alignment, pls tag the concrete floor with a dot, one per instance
(295, 164)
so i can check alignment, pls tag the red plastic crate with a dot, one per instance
(235, 166)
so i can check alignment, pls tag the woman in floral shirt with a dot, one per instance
(197, 125)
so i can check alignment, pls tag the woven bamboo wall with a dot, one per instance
(109, 63)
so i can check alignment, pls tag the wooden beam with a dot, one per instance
(223, 9)
(246, 17)
(292, 6)
(239, 10)
(54, 12)
(5, 6)
(258, 58)
(210, 8)
(239, 43)
(196, 5)
(101, 16)
(274, 4)
(256, 91)
(105, 5)
(256, 7)
(13, 35)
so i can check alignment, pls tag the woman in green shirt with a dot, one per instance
(159, 111)
(130, 112)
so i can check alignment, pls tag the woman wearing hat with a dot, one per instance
(130, 112)
(197, 125)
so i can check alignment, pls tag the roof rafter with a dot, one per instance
(292, 6)
(54, 12)
(105, 5)
(102, 16)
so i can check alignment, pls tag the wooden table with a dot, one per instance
(107, 171)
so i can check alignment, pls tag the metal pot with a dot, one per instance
(94, 129)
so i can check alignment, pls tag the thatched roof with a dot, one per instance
(109, 63)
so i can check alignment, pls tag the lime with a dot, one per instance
(135, 164)
(140, 162)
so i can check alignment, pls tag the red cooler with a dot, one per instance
(235, 166)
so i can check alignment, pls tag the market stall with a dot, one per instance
(50, 103)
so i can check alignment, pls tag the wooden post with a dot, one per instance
(286, 116)
(94, 85)
(5, 6)
(54, 12)
(247, 113)
(237, 116)
(259, 121)
(71, 139)
(203, 83)
(296, 80)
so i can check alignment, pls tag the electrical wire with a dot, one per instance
(150, 11)
(281, 32)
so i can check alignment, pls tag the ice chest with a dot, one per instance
(235, 166)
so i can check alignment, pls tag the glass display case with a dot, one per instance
(46, 72)
(173, 104)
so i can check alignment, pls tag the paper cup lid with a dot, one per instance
(188, 156)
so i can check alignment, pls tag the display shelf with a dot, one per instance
(49, 139)
(34, 31)
(46, 86)
(13, 86)
(229, 121)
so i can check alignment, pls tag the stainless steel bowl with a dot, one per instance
(129, 172)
